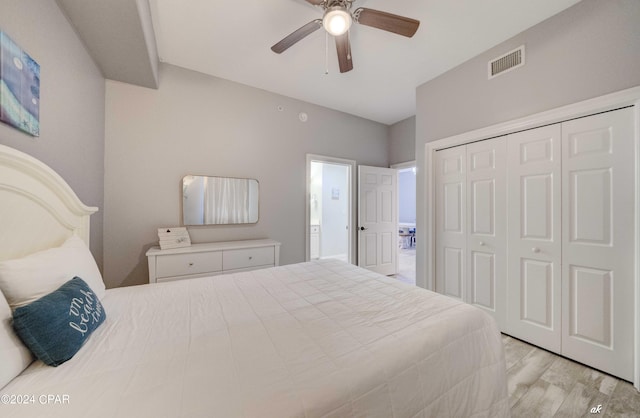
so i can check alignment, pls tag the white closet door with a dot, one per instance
(598, 241)
(486, 226)
(534, 251)
(451, 234)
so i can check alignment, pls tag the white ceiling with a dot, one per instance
(232, 40)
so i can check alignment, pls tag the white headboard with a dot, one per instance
(38, 209)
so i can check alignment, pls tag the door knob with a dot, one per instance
(362, 228)
(535, 249)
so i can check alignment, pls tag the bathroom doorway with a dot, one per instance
(406, 222)
(329, 213)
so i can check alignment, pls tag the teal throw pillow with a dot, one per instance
(56, 326)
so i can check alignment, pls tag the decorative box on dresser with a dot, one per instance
(210, 259)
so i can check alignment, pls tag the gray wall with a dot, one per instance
(590, 49)
(402, 141)
(197, 124)
(119, 35)
(72, 92)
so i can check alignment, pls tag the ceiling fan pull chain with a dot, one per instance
(326, 53)
(349, 45)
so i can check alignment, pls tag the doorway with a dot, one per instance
(406, 222)
(329, 214)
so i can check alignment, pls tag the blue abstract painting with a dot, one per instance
(19, 87)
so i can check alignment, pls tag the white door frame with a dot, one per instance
(351, 256)
(628, 97)
(406, 164)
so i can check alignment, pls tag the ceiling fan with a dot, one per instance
(337, 20)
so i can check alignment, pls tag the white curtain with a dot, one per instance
(226, 201)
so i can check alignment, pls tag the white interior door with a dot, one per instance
(487, 229)
(534, 236)
(377, 219)
(598, 241)
(451, 231)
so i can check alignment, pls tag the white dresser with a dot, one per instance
(209, 259)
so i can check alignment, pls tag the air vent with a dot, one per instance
(507, 62)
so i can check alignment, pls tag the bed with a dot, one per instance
(316, 339)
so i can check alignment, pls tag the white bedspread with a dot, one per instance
(313, 339)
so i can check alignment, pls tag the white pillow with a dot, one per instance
(27, 279)
(15, 355)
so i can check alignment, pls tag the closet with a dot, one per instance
(537, 228)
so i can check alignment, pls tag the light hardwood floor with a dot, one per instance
(542, 384)
(406, 265)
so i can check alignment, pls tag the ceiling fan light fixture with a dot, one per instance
(337, 20)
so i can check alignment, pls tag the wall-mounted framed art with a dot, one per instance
(19, 87)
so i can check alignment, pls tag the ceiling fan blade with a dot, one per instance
(386, 21)
(344, 52)
(315, 2)
(299, 34)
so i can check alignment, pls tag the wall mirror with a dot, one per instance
(219, 200)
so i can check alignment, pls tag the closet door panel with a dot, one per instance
(486, 238)
(451, 239)
(483, 280)
(598, 241)
(537, 206)
(534, 250)
(537, 289)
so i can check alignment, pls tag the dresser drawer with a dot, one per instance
(211, 259)
(184, 264)
(248, 257)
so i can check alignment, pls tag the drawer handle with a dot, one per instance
(535, 249)
(250, 257)
(190, 264)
